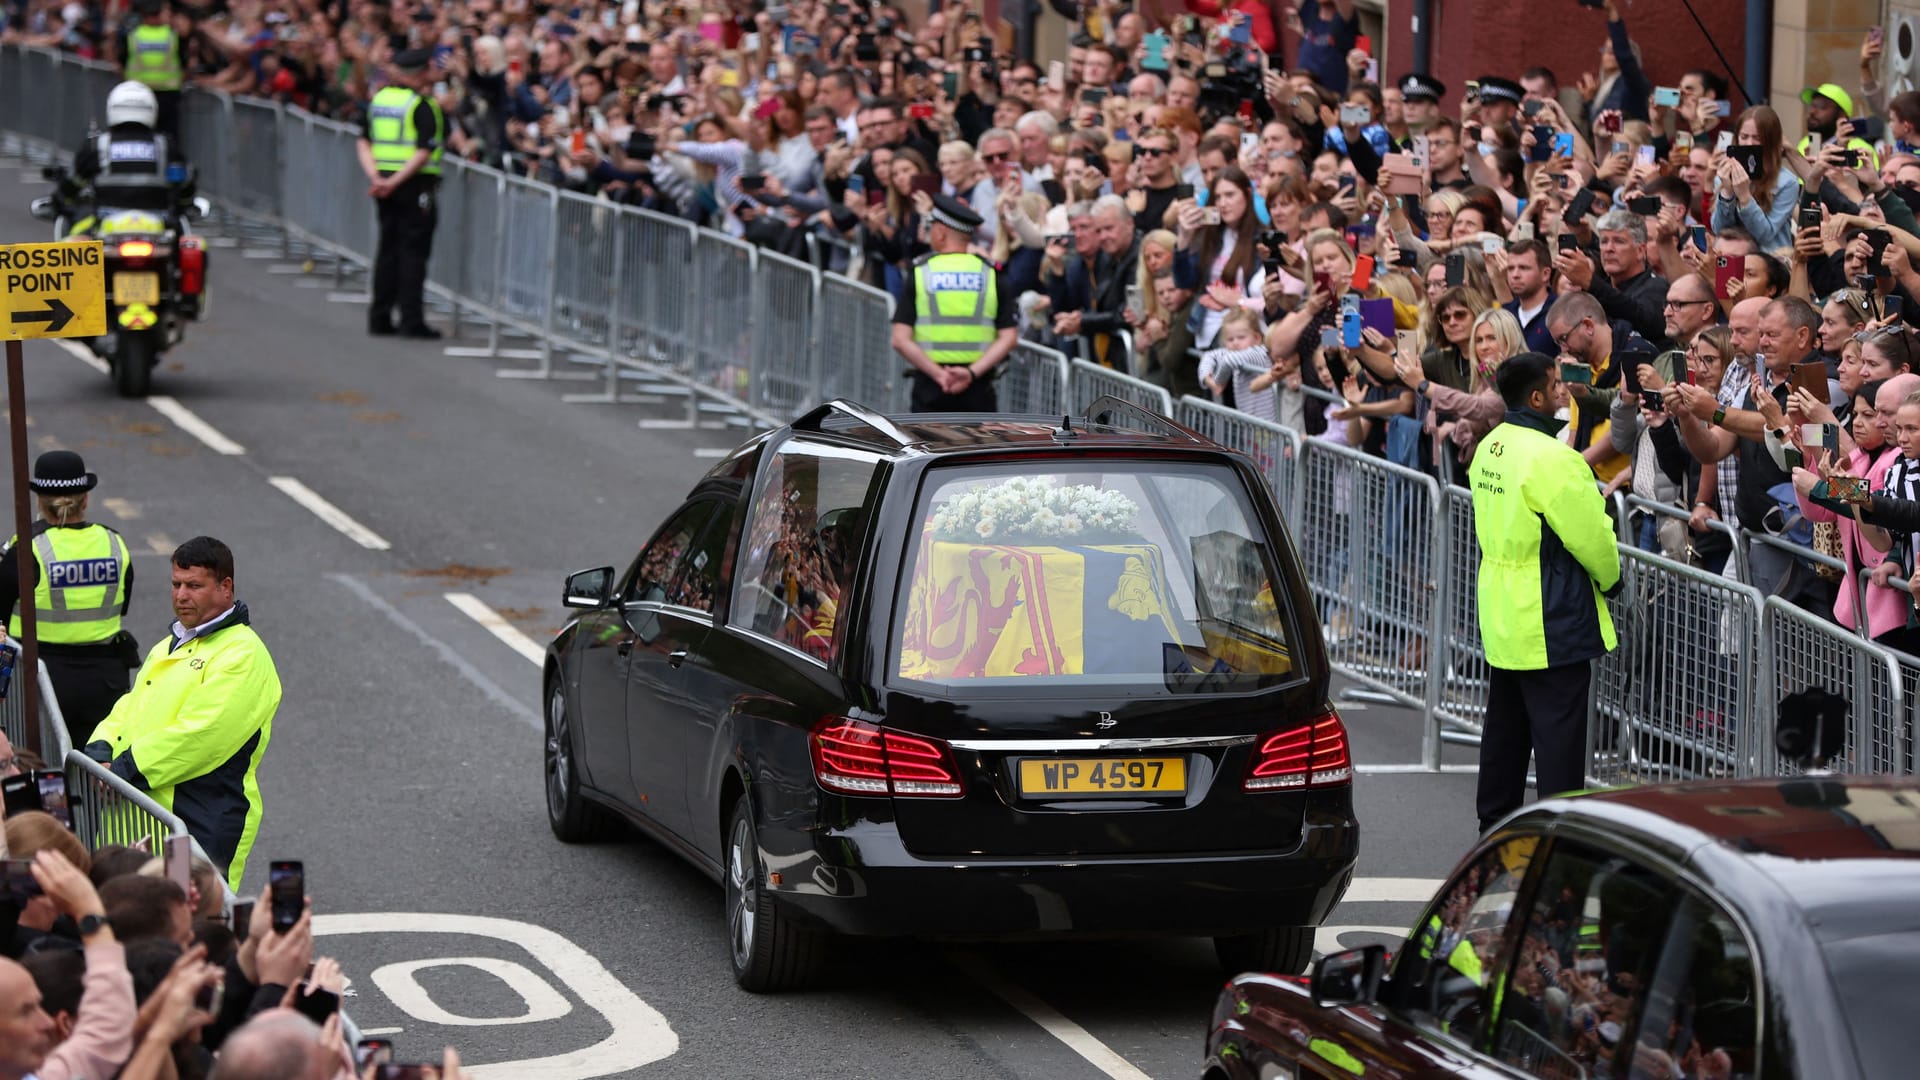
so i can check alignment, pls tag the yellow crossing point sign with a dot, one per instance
(52, 290)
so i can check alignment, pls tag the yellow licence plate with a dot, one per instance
(139, 288)
(1103, 776)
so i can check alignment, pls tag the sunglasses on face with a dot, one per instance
(993, 158)
(1151, 151)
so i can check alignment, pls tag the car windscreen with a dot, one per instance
(1877, 978)
(1110, 573)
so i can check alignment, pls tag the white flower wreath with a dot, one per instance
(1034, 508)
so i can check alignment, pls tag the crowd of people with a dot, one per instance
(1171, 200)
(109, 967)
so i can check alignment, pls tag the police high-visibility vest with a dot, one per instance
(153, 57)
(956, 299)
(80, 587)
(392, 134)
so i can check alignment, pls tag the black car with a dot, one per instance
(966, 676)
(1706, 931)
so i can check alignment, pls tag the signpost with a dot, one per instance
(46, 291)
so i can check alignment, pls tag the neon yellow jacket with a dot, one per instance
(1547, 552)
(192, 732)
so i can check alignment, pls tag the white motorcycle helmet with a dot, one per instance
(132, 103)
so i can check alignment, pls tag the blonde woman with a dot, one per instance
(87, 660)
(964, 177)
(1156, 258)
(1464, 416)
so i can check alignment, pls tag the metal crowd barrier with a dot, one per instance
(669, 310)
(53, 740)
(108, 810)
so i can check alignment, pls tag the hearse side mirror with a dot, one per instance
(588, 588)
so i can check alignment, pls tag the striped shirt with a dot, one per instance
(1903, 482)
(1244, 365)
(1734, 387)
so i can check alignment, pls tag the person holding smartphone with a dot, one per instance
(1762, 200)
(100, 1033)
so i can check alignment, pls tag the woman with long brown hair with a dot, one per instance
(1762, 203)
(1216, 250)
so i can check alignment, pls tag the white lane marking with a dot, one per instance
(640, 1035)
(184, 419)
(401, 984)
(710, 452)
(497, 625)
(1392, 890)
(1076, 1038)
(381, 1031)
(83, 354)
(122, 509)
(161, 543)
(329, 513)
(1326, 939)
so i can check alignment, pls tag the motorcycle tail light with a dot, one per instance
(135, 249)
(193, 266)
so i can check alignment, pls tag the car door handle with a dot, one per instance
(676, 657)
(625, 647)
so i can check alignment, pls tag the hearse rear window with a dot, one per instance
(1129, 574)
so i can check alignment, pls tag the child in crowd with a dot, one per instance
(1244, 359)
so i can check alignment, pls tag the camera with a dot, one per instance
(642, 145)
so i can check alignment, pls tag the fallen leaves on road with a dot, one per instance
(345, 397)
(368, 416)
(461, 572)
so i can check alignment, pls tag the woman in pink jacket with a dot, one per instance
(1871, 454)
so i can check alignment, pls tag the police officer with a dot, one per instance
(80, 592)
(152, 55)
(400, 147)
(1547, 558)
(131, 146)
(954, 326)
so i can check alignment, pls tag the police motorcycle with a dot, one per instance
(155, 266)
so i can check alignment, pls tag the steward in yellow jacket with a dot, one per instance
(1547, 561)
(193, 730)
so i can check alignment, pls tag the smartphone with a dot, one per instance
(1209, 215)
(578, 145)
(1654, 401)
(207, 998)
(1530, 107)
(1723, 143)
(1726, 270)
(1877, 241)
(16, 880)
(1747, 156)
(1812, 378)
(1249, 145)
(1645, 205)
(22, 793)
(950, 85)
(242, 919)
(1890, 306)
(766, 109)
(1057, 74)
(1723, 108)
(287, 887)
(929, 183)
(1323, 281)
(1610, 123)
(1093, 95)
(1666, 96)
(1566, 242)
(1456, 269)
(1241, 32)
(1808, 216)
(876, 197)
(316, 1005)
(1700, 239)
(1543, 142)
(1825, 436)
(1563, 144)
(177, 856)
(1620, 146)
(1572, 371)
(1644, 155)
(373, 1052)
(1355, 115)
(1581, 205)
(856, 183)
(1362, 273)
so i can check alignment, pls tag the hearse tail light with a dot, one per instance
(1312, 756)
(859, 757)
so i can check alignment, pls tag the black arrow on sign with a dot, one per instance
(57, 316)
